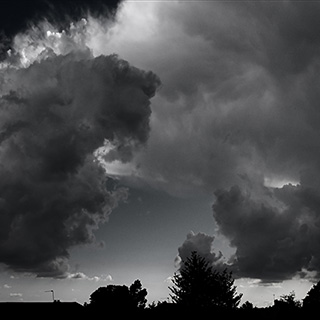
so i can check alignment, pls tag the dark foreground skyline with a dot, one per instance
(185, 299)
(134, 132)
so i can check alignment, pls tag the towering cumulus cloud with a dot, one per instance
(62, 111)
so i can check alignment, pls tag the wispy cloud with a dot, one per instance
(82, 276)
(16, 295)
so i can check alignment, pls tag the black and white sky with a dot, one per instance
(134, 132)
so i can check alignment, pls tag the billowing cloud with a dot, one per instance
(203, 245)
(83, 276)
(61, 110)
(237, 115)
(239, 89)
(277, 237)
(18, 15)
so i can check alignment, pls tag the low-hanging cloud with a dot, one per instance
(273, 242)
(59, 106)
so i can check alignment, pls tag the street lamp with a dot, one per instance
(52, 294)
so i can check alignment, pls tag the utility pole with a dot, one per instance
(52, 294)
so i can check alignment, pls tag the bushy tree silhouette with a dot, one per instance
(198, 285)
(111, 296)
(287, 301)
(247, 306)
(119, 297)
(312, 299)
(138, 295)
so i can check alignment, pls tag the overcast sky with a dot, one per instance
(133, 133)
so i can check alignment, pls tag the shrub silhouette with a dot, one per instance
(197, 285)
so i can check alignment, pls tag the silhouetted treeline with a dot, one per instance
(197, 290)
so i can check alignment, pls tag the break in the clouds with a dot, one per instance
(63, 112)
(238, 116)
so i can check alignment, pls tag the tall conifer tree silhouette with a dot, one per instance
(197, 284)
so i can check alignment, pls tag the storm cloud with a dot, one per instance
(272, 243)
(233, 97)
(63, 111)
(237, 116)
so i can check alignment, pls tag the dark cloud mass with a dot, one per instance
(275, 231)
(240, 99)
(239, 92)
(61, 108)
(237, 115)
(271, 244)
